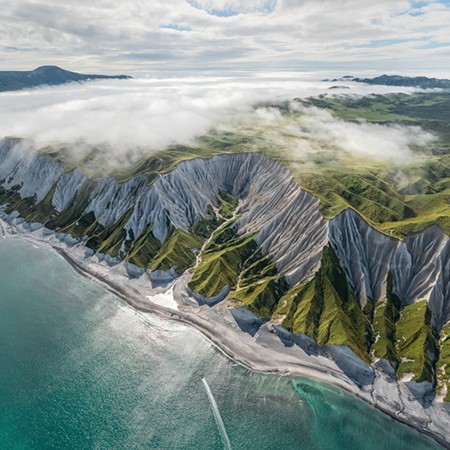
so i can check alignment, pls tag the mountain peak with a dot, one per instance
(46, 75)
(47, 69)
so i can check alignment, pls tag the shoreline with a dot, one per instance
(214, 325)
(233, 357)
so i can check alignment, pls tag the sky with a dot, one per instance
(148, 38)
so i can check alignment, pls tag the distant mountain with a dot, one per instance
(398, 80)
(45, 75)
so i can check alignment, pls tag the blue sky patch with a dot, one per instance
(174, 26)
(266, 7)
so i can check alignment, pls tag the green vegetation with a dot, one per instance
(443, 364)
(305, 309)
(221, 267)
(341, 321)
(326, 309)
(145, 249)
(207, 223)
(415, 342)
(261, 297)
(385, 315)
(227, 205)
(367, 193)
(168, 159)
(395, 198)
(177, 251)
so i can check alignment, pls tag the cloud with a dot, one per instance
(362, 139)
(129, 119)
(307, 135)
(225, 34)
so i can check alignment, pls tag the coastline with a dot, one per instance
(264, 353)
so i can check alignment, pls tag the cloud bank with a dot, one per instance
(132, 119)
(362, 139)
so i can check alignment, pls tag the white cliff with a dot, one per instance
(67, 188)
(33, 174)
(420, 264)
(364, 253)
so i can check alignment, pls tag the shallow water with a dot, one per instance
(81, 370)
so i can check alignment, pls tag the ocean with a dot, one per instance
(79, 369)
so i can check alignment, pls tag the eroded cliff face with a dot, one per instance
(30, 174)
(248, 232)
(419, 264)
(271, 205)
(285, 220)
(364, 253)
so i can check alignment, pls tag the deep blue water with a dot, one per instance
(81, 370)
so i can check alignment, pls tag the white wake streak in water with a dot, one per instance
(217, 416)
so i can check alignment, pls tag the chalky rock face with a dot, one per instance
(110, 199)
(364, 253)
(415, 265)
(67, 188)
(287, 220)
(419, 264)
(439, 302)
(22, 169)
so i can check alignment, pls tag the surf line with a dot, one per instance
(217, 416)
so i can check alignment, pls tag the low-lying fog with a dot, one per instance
(141, 116)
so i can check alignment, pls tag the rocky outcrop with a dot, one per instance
(27, 172)
(364, 253)
(287, 220)
(67, 188)
(419, 264)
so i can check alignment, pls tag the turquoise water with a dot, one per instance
(80, 370)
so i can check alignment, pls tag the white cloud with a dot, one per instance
(362, 139)
(135, 117)
(133, 36)
(308, 134)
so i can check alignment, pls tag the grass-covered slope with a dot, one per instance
(397, 198)
(261, 297)
(415, 343)
(326, 308)
(221, 266)
(178, 251)
(443, 364)
(385, 316)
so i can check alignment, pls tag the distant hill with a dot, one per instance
(45, 75)
(398, 80)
